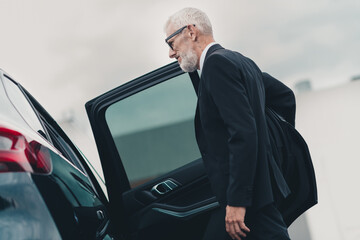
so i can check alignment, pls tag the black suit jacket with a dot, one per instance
(231, 129)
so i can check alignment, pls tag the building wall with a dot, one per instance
(329, 120)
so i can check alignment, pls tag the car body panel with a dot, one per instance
(23, 212)
(65, 203)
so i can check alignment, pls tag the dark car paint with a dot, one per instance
(23, 212)
(67, 203)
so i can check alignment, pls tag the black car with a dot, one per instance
(155, 179)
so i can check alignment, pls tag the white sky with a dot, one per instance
(67, 52)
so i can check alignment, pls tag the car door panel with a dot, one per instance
(185, 205)
(157, 184)
(192, 187)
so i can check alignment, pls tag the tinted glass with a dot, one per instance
(154, 130)
(22, 105)
(63, 147)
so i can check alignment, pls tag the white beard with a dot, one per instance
(189, 61)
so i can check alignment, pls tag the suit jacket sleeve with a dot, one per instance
(228, 92)
(279, 98)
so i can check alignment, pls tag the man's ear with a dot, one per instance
(193, 32)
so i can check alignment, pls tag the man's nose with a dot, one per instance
(172, 53)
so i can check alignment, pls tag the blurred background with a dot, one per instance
(68, 52)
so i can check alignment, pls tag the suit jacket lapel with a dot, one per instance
(198, 129)
(209, 52)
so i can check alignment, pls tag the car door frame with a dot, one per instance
(114, 173)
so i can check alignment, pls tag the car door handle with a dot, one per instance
(164, 187)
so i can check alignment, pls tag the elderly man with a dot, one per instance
(230, 130)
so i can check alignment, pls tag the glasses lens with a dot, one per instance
(170, 45)
(173, 35)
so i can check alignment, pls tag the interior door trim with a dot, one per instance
(188, 213)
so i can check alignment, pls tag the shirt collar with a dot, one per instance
(203, 54)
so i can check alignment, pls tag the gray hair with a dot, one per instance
(188, 16)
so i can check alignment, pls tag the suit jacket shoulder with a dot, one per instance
(217, 52)
(217, 56)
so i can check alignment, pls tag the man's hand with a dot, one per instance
(234, 222)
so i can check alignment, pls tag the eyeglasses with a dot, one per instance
(174, 34)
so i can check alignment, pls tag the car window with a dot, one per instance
(60, 144)
(154, 129)
(23, 106)
(69, 151)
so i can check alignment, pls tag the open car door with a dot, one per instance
(154, 174)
